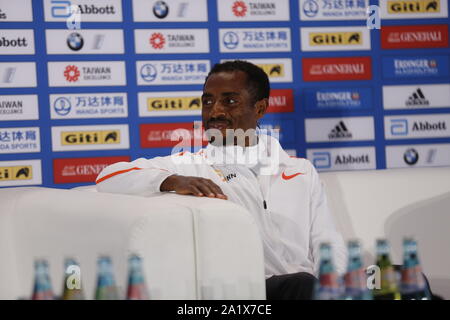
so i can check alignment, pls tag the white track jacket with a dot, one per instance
(284, 195)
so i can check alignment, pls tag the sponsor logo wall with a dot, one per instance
(86, 83)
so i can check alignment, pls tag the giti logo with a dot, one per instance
(273, 70)
(335, 38)
(16, 173)
(173, 103)
(70, 138)
(414, 6)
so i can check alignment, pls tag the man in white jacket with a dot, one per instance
(284, 194)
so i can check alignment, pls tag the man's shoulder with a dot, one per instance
(302, 164)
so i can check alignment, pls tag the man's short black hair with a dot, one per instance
(257, 79)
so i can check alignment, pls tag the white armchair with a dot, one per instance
(192, 248)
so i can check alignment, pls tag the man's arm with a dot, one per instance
(323, 228)
(145, 177)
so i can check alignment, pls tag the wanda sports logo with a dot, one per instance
(335, 69)
(407, 37)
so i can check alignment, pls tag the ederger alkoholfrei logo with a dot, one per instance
(87, 10)
(311, 10)
(99, 137)
(86, 73)
(335, 39)
(398, 67)
(172, 40)
(16, 41)
(343, 98)
(413, 9)
(253, 10)
(20, 172)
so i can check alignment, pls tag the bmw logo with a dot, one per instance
(160, 9)
(62, 106)
(411, 156)
(310, 8)
(75, 41)
(148, 72)
(230, 40)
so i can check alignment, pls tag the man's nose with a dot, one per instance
(217, 110)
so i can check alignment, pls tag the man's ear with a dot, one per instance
(261, 107)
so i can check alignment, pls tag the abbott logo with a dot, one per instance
(399, 127)
(322, 160)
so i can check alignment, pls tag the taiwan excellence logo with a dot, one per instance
(230, 40)
(160, 9)
(72, 73)
(148, 72)
(62, 106)
(157, 40)
(75, 41)
(310, 8)
(239, 8)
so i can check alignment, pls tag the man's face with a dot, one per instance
(228, 104)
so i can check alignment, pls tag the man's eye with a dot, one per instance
(207, 102)
(231, 100)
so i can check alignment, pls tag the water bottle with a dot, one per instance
(389, 289)
(413, 285)
(106, 285)
(355, 278)
(137, 289)
(328, 286)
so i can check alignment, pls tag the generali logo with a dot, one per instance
(164, 135)
(335, 69)
(77, 170)
(281, 100)
(421, 36)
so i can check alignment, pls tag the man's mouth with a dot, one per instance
(218, 124)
